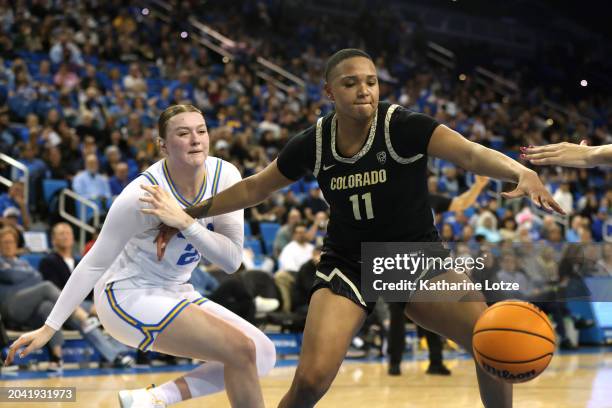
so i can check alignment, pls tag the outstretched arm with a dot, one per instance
(569, 154)
(246, 193)
(450, 145)
(123, 221)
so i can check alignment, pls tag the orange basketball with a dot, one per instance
(513, 341)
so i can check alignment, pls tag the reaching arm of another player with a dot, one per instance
(569, 154)
(123, 221)
(447, 144)
(468, 198)
(246, 193)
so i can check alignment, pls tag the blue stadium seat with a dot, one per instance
(33, 259)
(247, 230)
(254, 245)
(268, 233)
(21, 130)
(51, 186)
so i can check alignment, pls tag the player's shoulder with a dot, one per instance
(221, 168)
(394, 111)
(154, 173)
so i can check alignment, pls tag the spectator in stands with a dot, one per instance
(447, 233)
(65, 51)
(10, 218)
(268, 124)
(604, 265)
(15, 200)
(564, 197)
(488, 229)
(120, 179)
(573, 232)
(285, 232)
(292, 257)
(26, 301)
(112, 156)
(304, 279)
(509, 271)
(36, 171)
(134, 83)
(65, 78)
(90, 184)
(7, 138)
(508, 231)
(57, 266)
(449, 182)
(313, 203)
(56, 167)
(182, 89)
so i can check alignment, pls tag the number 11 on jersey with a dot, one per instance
(367, 198)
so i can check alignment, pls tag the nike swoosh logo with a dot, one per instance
(328, 167)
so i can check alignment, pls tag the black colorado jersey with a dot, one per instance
(378, 195)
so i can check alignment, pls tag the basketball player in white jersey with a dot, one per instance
(145, 303)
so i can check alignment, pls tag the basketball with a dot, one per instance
(513, 341)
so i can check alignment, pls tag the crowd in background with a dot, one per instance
(82, 85)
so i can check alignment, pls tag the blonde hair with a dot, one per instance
(169, 113)
(9, 230)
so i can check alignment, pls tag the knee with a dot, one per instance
(244, 352)
(312, 383)
(50, 290)
(44, 309)
(266, 355)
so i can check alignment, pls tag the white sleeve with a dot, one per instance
(124, 220)
(223, 246)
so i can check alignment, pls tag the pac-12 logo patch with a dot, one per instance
(382, 157)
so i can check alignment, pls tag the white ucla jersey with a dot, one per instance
(139, 257)
(125, 252)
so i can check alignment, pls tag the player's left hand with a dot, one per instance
(165, 207)
(531, 186)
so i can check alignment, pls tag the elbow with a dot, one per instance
(232, 267)
(234, 260)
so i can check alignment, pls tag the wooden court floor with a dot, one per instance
(575, 380)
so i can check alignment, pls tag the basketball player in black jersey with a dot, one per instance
(370, 159)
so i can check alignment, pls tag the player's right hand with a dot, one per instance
(164, 236)
(31, 341)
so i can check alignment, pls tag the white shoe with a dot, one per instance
(265, 305)
(90, 324)
(139, 398)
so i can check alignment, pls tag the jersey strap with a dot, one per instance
(217, 176)
(319, 146)
(149, 177)
(392, 152)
